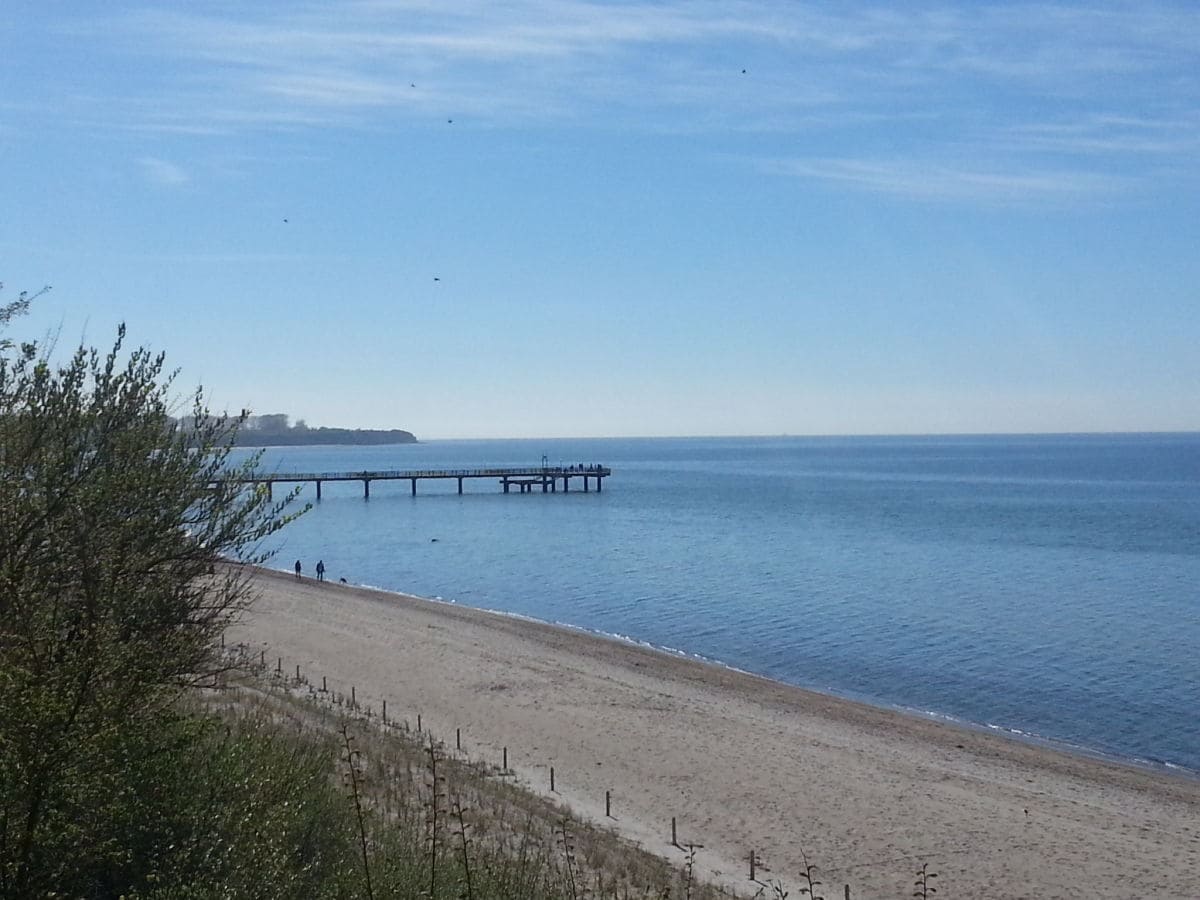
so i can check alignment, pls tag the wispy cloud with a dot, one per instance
(1035, 93)
(1112, 135)
(955, 183)
(371, 51)
(161, 172)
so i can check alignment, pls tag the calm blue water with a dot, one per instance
(1046, 585)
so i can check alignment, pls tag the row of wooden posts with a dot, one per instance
(754, 859)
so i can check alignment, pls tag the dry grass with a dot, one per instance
(435, 820)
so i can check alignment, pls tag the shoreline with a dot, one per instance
(866, 792)
(1056, 745)
(1162, 767)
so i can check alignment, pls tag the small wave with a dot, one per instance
(1083, 750)
(932, 714)
(512, 615)
(657, 648)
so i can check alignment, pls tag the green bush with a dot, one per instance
(112, 518)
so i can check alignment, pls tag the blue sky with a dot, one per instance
(565, 219)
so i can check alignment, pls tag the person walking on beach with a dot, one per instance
(320, 570)
(298, 570)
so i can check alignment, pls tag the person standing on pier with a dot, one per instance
(298, 567)
(320, 570)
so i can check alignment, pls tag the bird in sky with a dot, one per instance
(285, 221)
(435, 278)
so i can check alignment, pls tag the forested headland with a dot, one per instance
(276, 430)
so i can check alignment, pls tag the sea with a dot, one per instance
(1047, 587)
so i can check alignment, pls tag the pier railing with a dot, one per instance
(400, 474)
(523, 477)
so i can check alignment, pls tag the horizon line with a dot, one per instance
(812, 435)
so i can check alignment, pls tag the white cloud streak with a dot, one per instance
(1112, 135)
(946, 182)
(1043, 47)
(162, 173)
(1011, 84)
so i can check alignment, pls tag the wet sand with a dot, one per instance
(741, 762)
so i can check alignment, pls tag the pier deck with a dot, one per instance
(522, 478)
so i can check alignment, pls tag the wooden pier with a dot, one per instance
(524, 479)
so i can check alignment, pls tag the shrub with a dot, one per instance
(112, 520)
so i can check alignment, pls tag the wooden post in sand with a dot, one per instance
(504, 765)
(279, 665)
(552, 780)
(384, 712)
(751, 865)
(324, 686)
(608, 804)
(847, 892)
(353, 701)
(674, 839)
(262, 658)
(297, 671)
(418, 723)
(457, 738)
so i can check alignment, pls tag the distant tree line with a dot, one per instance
(276, 429)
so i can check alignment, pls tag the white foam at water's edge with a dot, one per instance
(623, 638)
(1018, 734)
(1076, 749)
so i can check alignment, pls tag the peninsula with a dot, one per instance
(275, 431)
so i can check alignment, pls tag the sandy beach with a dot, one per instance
(741, 762)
